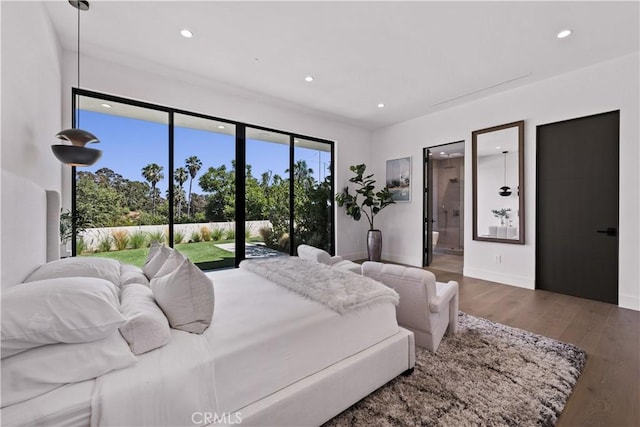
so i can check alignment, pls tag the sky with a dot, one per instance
(130, 144)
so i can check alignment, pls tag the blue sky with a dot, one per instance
(130, 144)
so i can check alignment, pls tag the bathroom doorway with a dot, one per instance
(444, 207)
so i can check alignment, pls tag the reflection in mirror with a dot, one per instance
(498, 183)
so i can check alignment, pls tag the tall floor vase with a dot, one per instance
(374, 245)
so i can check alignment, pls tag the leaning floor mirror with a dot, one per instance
(498, 183)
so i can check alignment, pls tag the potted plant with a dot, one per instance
(66, 230)
(373, 202)
(501, 214)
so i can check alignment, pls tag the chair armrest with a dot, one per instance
(335, 259)
(443, 299)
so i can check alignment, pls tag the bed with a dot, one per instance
(270, 357)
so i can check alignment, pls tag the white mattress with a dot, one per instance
(266, 337)
(263, 338)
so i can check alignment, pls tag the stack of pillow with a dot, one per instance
(181, 289)
(78, 318)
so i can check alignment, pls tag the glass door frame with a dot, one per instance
(427, 202)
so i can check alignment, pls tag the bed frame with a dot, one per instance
(30, 228)
(30, 237)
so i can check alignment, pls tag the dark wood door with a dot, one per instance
(577, 207)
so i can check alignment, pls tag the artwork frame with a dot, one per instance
(398, 179)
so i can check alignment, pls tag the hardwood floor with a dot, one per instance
(608, 391)
(447, 262)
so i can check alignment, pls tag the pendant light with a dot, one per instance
(77, 154)
(505, 190)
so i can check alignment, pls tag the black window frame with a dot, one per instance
(240, 214)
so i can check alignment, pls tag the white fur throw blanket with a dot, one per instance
(341, 291)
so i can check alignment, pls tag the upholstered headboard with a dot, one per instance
(30, 228)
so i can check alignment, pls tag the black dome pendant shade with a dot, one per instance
(505, 190)
(77, 154)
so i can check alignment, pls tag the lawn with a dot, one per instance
(196, 252)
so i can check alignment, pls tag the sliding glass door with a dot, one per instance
(313, 194)
(121, 202)
(267, 209)
(204, 190)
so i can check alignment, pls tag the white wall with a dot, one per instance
(31, 104)
(31, 101)
(351, 143)
(607, 86)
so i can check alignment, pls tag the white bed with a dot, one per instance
(270, 356)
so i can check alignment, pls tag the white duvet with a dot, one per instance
(263, 338)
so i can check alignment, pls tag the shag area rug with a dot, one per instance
(487, 374)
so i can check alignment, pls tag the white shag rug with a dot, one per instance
(488, 374)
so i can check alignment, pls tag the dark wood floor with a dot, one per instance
(608, 391)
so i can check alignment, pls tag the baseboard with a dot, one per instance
(506, 279)
(629, 301)
(355, 256)
(406, 261)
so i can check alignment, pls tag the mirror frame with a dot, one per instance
(520, 188)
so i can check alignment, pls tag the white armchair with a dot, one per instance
(428, 308)
(311, 253)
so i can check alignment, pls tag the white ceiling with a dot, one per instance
(415, 57)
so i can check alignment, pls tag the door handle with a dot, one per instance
(610, 231)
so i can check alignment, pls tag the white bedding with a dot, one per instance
(262, 339)
(66, 406)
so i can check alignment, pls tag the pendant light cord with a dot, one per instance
(505, 167)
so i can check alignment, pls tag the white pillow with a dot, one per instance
(147, 327)
(132, 274)
(42, 369)
(186, 297)
(155, 259)
(103, 268)
(63, 310)
(172, 262)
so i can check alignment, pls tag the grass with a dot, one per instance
(196, 252)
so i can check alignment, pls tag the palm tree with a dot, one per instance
(178, 198)
(193, 164)
(153, 174)
(180, 175)
(302, 174)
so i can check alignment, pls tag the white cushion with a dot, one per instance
(155, 259)
(63, 310)
(186, 297)
(102, 268)
(147, 327)
(173, 261)
(39, 370)
(132, 274)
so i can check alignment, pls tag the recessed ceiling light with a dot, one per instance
(381, 105)
(105, 105)
(220, 127)
(497, 148)
(442, 153)
(564, 33)
(308, 79)
(186, 33)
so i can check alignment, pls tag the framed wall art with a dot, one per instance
(399, 179)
